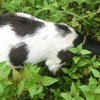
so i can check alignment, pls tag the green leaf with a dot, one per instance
(78, 98)
(16, 75)
(55, 4)
(16, 2)
(96, 63)
(6, 70)
(85, 88)
(34, 69)
(97, 97)
(32, 72)
(3, 98)
(67, 96)
(73, 50)
(79, 48)
(35, 76)
(25, 73)
(95, 72)
(37, 12)
(93, 81)
(89, 95)
(3, 65)
(82, 63)
(44, 2)
(2, 87)
(46, 80)
(30, 82)
(93, 58)
(72, 69)
(35, 90)
(76, 59)
(21, 87)
(73, 76)
(73, 89)
(80, 1)
(84, 52)
(97, 90)
(65, 70)
(32, 1)
(3, 75)
(26, 9)
(48, 7)
(97, 2)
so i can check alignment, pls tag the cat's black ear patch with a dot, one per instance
(63, 29)
(65, 55)
(18, 55)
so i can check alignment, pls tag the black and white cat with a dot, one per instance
(24, 38)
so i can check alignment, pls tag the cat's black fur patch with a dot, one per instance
(65, 55)
(65, 30)
(21, 25)
(18, 55)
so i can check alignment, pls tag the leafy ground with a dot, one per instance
(79, 79)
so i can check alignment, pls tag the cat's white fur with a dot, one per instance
(43, 45)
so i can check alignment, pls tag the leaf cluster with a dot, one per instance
(80, 78)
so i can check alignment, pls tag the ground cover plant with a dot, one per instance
(79, 79)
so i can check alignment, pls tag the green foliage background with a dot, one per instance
(80, 79)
